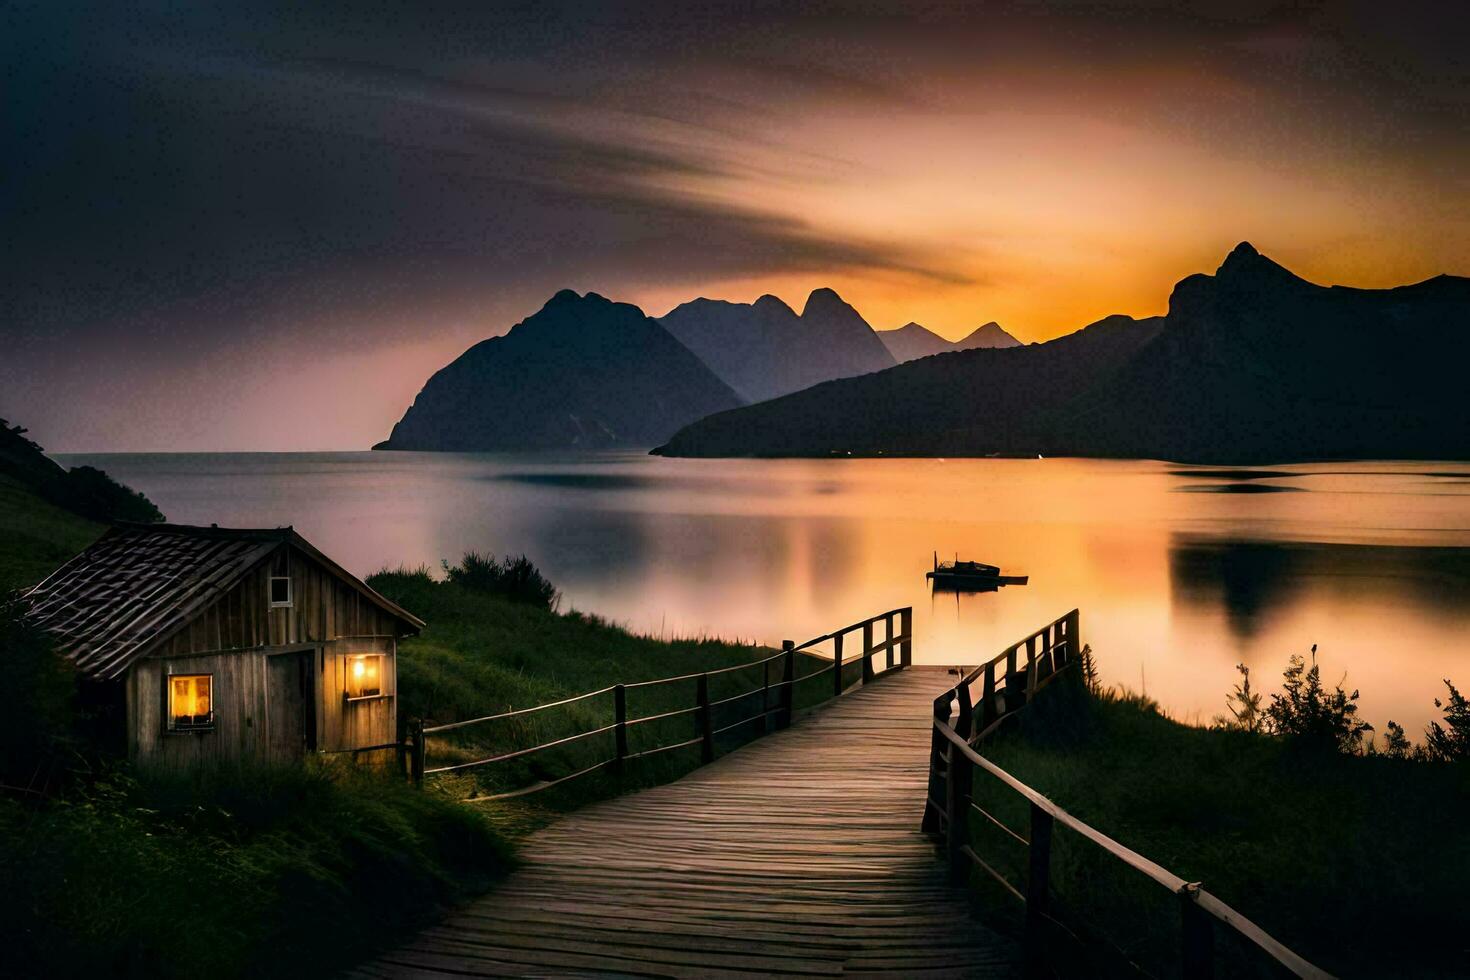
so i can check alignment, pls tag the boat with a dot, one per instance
(970, 575)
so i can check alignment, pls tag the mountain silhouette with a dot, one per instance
(912, 341)
(975, 401)
(1251, 364)
(765, 349)
(583, 372)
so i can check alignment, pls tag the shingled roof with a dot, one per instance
(141, 583)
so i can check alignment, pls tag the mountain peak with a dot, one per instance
(1245, 264)
(564, 296)
(824, 298)
(769, 303)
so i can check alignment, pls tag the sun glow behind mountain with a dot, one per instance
(333, 213)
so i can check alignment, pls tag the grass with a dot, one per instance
(483, 655)
(262, 872)
(1360, 864)
(36, 536)
(300, 870)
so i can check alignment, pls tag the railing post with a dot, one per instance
(1074, 638)
(888, 634)
(868, 652)
(1037, 878)
(1030, 666)
(706, 723)
(906, 630)
(988, 712)
(766, 698)
(788, 682)
(837, 665)
(937, 783)
(416, 763)
(957, 810)
(964, 724)
(1198, 939)
(620, 723)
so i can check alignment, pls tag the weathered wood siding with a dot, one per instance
(323, 608)
(232, 639)
(239, 700)
(347, 724)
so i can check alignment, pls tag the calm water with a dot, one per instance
(1180, 574)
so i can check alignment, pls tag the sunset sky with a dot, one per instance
(264, 227)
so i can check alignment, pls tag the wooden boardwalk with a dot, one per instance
(799, 854)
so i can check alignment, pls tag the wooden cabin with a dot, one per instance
(219, 645)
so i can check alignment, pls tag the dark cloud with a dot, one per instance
(186, 183)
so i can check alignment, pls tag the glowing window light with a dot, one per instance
(190, 702)
(365, 675)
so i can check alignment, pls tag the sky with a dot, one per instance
(262, 226)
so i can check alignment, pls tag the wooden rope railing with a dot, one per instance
(896, 646)
(950, 801)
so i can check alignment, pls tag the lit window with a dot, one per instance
(190, 702)
(280, 591)
(365, 675)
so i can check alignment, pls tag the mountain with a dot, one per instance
(966, 402)
(911, 341)
(1251, 364)
(764, 349)
(1257, 364)
(583, 372)
(988, 335)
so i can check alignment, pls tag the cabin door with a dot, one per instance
(290, 718)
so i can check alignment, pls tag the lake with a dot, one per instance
(1180, 573)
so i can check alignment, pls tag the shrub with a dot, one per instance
(1308, 712)
(1245, 704)
(38, 728)
(1453, 743)
(516, 579)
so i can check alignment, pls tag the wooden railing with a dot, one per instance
(961, 721)
(896, 644)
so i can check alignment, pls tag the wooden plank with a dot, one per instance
(798, 854)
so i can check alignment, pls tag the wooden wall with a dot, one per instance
(323, 608)
(232, 638)
(239, 694)
(346, 724)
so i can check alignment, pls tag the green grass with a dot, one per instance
(1358, 863)
(248, 873)
(36, 536)
(482, 655)
(302, 870)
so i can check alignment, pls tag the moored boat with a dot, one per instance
(965, 574)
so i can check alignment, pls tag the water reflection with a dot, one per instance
(1175, 588)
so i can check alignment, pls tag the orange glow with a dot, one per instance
(189, 700)
(364, 676)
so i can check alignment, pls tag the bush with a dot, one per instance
(253, 871)
(39, 726)
(1452, 744)
(516, 579)
(1309, 713)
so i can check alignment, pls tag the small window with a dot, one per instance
(190, 702)
(280, 591)
(365, 676)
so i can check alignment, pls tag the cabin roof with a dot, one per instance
(139, 584)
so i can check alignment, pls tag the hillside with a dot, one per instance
(583, 372)
(1252, 364)
(965, 402)
(765, 349)
(912, 341)
(48, 513)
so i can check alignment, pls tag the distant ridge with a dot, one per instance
(1252, 364)
(912, 341)
(765, 349)
(583, 372)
